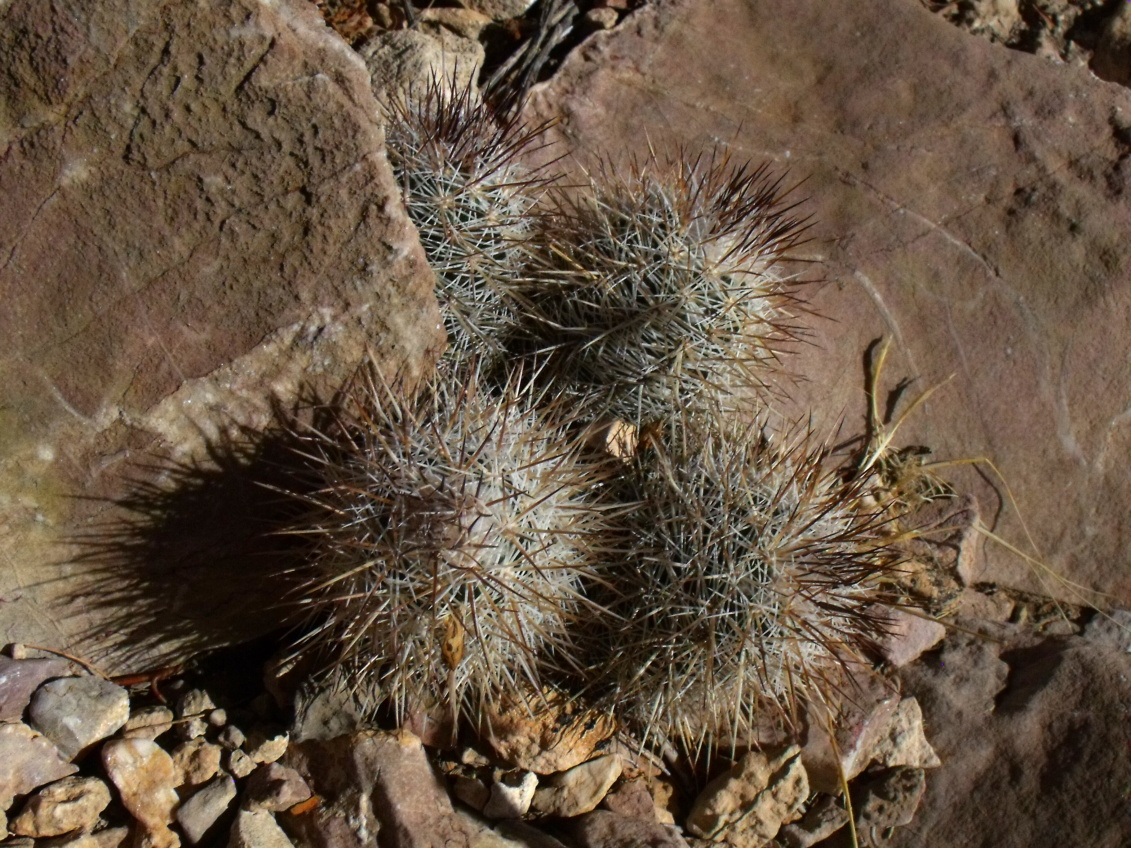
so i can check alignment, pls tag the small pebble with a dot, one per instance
(231, 737)
(148, 723)
(240, 764)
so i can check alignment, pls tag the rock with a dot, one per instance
(906, 743)
(602, 18)
(377, 782)
(511, 794)
(30, 760)
(231, 737)
(579, 789)
(527, 835)
(407, 60)
(194, 703)
(148, 723)
(20, 678)
(145, 777)
(1111, 629)
(1045, 724)
(861, 722)
(268, 750)
(908, 636)
(889, 799)
(196, 761)
(202, 809)
(470, 790)
(749, 803)
(224, 228)
(824, 818)
(550, 741)
(602, 829)
(631, 798)
(76, 712)
(111, 837)
(1112, 59)
(498, 10)
(73, 803)
(275, 787)
(947, 251)
(257, 829)
(218, 718)
(240, 764)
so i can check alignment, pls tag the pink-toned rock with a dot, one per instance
(909, 635)
(602, 829)
(275, 787)
(30, 760)
(376, 782)
(972, 204)
(860, 725)
(19, 678)
(198, 221)
(1033, 742)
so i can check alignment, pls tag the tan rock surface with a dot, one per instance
(972, 204)
(198, 217)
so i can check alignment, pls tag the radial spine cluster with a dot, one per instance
(655, 288)
(450, 541)
(472, 202)
(752, 579)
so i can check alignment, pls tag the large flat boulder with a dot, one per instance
(198, 219)
(971, 204)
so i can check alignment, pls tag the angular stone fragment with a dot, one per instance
(905, 743)
(148, 723)
(889, 799)
(579, 789)
(76, 712)
(201, 810)
(276, 787)
(30, 760)
(73, 803)
(20, 678)
(510, 795)
(196, 761)
(749, 803)
(257, 829)
(602, 829)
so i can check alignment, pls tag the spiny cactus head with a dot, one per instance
(754, 581)
(472, 200)
(448, 541)
(658, 286)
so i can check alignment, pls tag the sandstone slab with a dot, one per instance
(199, 222)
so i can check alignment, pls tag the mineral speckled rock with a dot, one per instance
(76, 712)
(70, 804)
(146, 779)
(198, 221)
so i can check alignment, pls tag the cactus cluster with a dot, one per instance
(467, 542)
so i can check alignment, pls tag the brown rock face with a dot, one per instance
(1033, 746)
(198, 217)
(972, 205)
